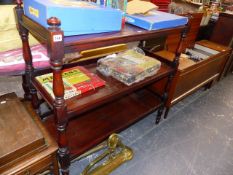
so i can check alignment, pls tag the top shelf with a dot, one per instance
(130, 33)
(79, 43)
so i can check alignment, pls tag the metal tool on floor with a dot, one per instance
(116, 154)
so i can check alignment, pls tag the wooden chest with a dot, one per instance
(24, 145)
(192, 75)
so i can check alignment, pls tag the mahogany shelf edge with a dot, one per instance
(113, 89)
(79, 43)
(130, 33)
(96, 125)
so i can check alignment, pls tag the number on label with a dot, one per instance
(57, 38)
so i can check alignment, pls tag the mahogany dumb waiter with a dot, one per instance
(83, 121)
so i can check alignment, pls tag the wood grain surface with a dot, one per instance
(18, 132)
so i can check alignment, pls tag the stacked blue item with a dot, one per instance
(156, 20)
(77, 17)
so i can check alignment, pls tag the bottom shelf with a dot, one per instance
(95, 126)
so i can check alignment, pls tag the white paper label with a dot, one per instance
(57, 38)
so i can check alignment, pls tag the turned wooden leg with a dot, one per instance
(25, 85)
(54, 167)
(166, 112)
(165, 97)
(159, 114)
(35, 100)
(63, 157)
(60, 114)
(209, 85)
(61, 121)
(29, 71)
(56, 49)
(30, 92)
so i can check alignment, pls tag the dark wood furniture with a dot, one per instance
(223, 34)
(194, 75)
(223, 30)
(82, 122)
(191, 75)
(194, 24)
(25, 146)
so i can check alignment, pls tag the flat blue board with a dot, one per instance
(76, 19)
(156, 20)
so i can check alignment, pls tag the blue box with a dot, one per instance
(156, 20)
(77, 17)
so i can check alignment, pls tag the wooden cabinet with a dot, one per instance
(26, 147)
(189, 41)
(81, 122)
(223, 34)
(223, 30)
(193, 75)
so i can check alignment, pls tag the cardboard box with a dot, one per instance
(140, 7)
(155, 20)
(77, 17)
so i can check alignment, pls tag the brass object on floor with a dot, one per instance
(116, 154)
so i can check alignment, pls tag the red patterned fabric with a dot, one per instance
(12, 62)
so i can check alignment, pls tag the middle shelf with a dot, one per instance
(111, 91)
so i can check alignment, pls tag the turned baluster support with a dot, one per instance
(28, 63)
(29, 90)
(175, 65)
(180, 47)
(179, 50)
(56, 50)
(164, 99)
